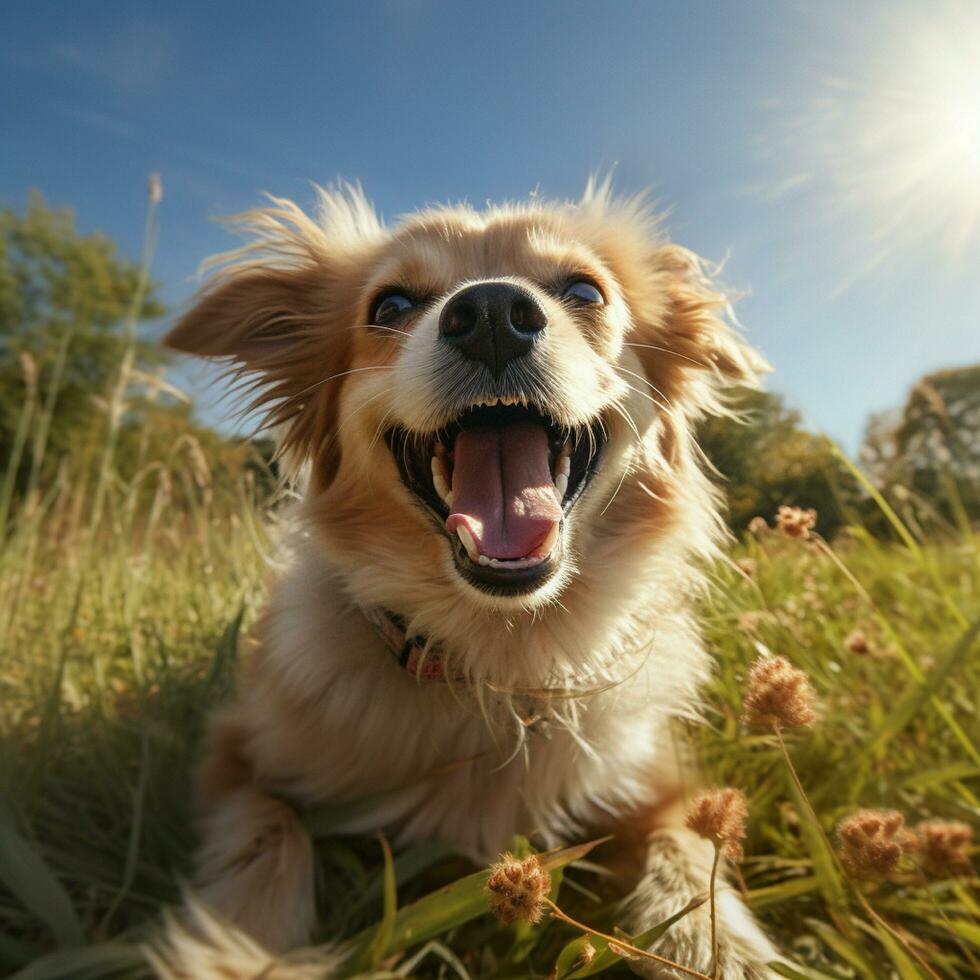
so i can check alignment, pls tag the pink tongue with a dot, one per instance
(502, 489)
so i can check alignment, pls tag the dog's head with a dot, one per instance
(477, 398)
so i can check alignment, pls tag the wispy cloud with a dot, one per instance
(135, 57)
(197, 159)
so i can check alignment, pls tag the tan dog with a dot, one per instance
(503, 520)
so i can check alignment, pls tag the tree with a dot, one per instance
(63, 298)
(931, 447)
(766, 458)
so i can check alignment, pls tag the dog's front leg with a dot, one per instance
(255, 865)
(677, 868)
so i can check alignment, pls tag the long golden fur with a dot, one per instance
(554, 716)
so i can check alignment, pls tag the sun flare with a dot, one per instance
(891, 137)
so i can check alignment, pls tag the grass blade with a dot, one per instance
(27, 875)
(914, 699)
(375, 952)
(451, 906)
(93, 963)
(566, 968)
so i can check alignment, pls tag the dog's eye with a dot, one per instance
(391, 308)
(582, 291)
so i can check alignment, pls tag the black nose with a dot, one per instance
(493, 322)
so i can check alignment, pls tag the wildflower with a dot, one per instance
(795, 522)
(747, 566)
(758, 526)
(942, 846)
(872, 842)
(777, 691)
(858, 642)
(517, 889)
(719, 815)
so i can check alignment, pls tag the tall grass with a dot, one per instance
(120, 620)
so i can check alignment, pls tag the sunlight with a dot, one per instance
(893, 136)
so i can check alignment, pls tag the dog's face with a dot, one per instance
(469, 392)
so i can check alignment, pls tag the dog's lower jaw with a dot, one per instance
(678, 868)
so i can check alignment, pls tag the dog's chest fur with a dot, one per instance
(335, 718)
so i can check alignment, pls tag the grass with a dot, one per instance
(117, 642)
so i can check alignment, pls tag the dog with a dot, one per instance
(486, 620)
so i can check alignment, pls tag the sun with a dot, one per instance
(891, 134)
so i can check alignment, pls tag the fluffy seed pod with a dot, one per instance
(941, 847)
(517, 889)
(719, 815)
(778, 691)
(871, 842)
(795, 522)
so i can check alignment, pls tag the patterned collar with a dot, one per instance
(427, 664)
(410, 651)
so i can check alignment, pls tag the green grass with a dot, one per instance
(116, 641)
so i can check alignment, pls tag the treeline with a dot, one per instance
(69, 306)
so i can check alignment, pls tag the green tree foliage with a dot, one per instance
(67, 367)
(63, 298)
(928, 452)
(766, 458)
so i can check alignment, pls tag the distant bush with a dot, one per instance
(765, 459)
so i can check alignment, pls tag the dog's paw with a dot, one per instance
(741, 955)
(678, 868)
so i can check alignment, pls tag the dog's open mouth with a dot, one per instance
(500, 480)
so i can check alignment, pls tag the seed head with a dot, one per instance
(778, 691)
(154, 188)
(719, 815)
(858, 642)
(795, 522)
(517, 889)
(871, 842)
(942, 846)
(758, 526)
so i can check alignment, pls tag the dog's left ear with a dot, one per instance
(690, 345)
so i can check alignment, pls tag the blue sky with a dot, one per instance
(788, 139)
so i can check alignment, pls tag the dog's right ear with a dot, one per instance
(251, 315)
(279, 311)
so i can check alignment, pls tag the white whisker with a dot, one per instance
(342, 374)
(667, 350)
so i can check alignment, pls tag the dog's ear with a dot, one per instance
(278, 311)
(691, 347)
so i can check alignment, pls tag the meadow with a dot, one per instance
(121, 629)
(125, 595)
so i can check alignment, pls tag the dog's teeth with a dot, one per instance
(440, 479)
(442, 488)
(484, 560)
(547, 546)
(561, 485)
(468, 543)
(564, 466)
